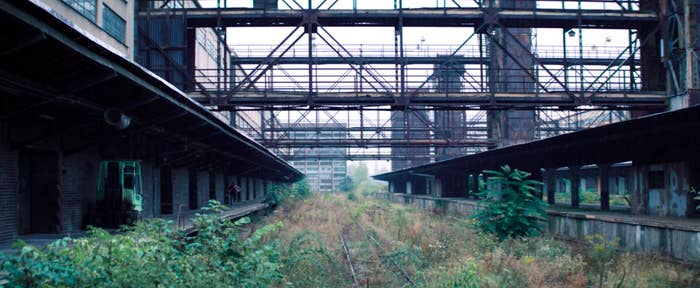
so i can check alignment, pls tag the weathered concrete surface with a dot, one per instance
(678, 238)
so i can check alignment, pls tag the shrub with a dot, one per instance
(302, 188)
(510, 207)
(279, 193)
(150, 254)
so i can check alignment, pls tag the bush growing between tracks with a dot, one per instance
(510, 207)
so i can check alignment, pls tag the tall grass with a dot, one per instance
(444, 251)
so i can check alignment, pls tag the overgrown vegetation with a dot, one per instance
(510, 208)
(280, 193)
(444, 251)
(152, 254)
(387, 244)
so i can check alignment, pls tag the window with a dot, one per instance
(206, 44)
(114, 25)
(84, 7)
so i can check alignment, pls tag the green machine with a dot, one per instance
(119, 193)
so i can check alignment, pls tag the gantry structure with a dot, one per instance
(431, 102)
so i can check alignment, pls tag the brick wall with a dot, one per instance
(8, 190)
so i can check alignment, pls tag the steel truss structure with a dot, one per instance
(393, 96)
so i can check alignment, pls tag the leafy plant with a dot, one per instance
(302, 188)
(150, 254)
(510, 208)
(281, 192)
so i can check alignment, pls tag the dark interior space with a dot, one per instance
(248, 186)
(212, 185)
(39, 195)
(193, 189)
(166, 190)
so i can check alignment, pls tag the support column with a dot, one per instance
(604, 185)
(575, 183)
(550, 184)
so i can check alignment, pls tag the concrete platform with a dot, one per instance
(674, 237)
(184, 223)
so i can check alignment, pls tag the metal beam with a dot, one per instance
(458, 17)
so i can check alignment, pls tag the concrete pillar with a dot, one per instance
(408, 187)
(575, 182)
(550, 184)
(438, 186)
(639, 190)
(604, 185)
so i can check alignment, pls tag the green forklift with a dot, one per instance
(119, 193)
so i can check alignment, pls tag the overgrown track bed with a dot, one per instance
(361, 235)
(346, 251)
(368, 243)
(385, 259)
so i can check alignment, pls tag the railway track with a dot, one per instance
(378, 250)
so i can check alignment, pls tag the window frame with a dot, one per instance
(105, 9)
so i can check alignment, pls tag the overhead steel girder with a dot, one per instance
(500, 100)
(324, 143)
(320, 60)
(359, 157)
(457, 17)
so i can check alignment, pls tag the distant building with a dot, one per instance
(325, 167)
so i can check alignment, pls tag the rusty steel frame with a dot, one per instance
(398, 96)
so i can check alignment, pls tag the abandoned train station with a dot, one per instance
(113, 111)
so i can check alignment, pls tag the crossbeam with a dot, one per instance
(454, 17)
(482, 100)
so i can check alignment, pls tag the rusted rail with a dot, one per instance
(347, 257)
